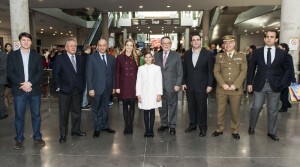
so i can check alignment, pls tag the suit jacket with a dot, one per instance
(277, 73)
(99, 76)
(199, 77)
(291, 78)
(65, 76)
(3, 66)
(15, 72)
(172, 73)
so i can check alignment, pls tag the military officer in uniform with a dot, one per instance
(230, 70)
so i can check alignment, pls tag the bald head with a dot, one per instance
(102, 46)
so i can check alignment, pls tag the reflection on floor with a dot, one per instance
(183, 149)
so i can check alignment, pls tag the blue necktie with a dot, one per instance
(73, 63)
(269, 57)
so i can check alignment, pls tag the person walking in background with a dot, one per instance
(85, 101)
(273, 69)
(100, 72)
(171, 67)
(284, 96)
(126, 73)
(7, 91)
(149, 91)
(198, 80)
(230, 71)
(25, 71)
(70, 83)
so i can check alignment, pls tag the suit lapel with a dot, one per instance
(20, 62)
(276, 57)
(69, 63)
(201, 54)
(100, 61)
(30, 62)
(263, 56)
(168, 59)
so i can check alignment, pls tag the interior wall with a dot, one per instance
(247, 40)
(6, 34)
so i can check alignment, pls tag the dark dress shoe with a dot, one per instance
(162, 128)
(282, 110)
(109, 130)
(3, 117)
(251, 131)
(18, 145)
(78, 134)
(202, 133)
(273, 137)
(151, 134)
(216, 133)
(236, 136)
(172, 131)
(39, 142)
(146, 134)
(189, 129)
(96, 133)
(62, 139)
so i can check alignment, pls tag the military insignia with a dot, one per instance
(237, 58)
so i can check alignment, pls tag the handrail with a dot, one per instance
(89, 39)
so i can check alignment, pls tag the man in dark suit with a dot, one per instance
(273, 69)
(3, 81)
(100, 74)
(69, 80)
(25, 71)
(171, 67)
(197, 81)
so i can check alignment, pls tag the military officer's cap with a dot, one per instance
(228, 38)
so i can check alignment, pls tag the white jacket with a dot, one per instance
(148, 86)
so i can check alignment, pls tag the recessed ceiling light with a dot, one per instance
(263, 30)
(42, 32)
(175, 27)
(245, 30)
(189, 6)
(168, 6)
(195, 29)
(50, 28)
(71, 35)
(246, 34)
(251, 32)
(162, 27)
(276, 28)
(67, 34)
(70, 32)
(122, 31)
(141, 7)
(53, 34)
(0, 21)
(61, 33)
(148, 27)
(264, 26)
(139, 29)
(42, 29)
(120, 7)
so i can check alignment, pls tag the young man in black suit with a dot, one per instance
(273, 69)
(25, 71)
(197, 81)
(69, 72)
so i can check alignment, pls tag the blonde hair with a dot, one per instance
(133, 55)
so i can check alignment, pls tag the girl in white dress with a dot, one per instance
(149, 91)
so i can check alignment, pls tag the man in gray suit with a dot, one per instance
(3, 81)
(171, 67)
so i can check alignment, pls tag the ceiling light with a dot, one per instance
(257, 32)
(42, 32)
(50, 28)
(251, 32)
(53, 34)
(195, 29)
(71, 35)
(246, 34)
(263, 30)
(42, 29)
(276, 28)
(70, 32)
(41, 0)
(264, 26)
(175, 27)
(61, 33)
(189, 6)
(168, 6)
(139, 29)
(245, 30)
(67, 34)
(141, 7)
(0, 21)
(148, 27)
(120, 7)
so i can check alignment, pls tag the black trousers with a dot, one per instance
(284, 97)
(70, 103)
(128, 114)
(197, 107)
(3, 109)
(149, 117)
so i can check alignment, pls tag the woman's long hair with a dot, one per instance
(133, 55)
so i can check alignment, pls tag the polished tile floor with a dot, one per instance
(181, 150)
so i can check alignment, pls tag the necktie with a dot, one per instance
(73, 62)
(269, 57)
(165, 59)
(229, 55)
(103, 58)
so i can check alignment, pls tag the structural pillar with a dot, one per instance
(237, 38)
(124, 35)
(290, 29)
(205, 28)
(33, 29)
(187, 39)
(105, 33)
(19, 18)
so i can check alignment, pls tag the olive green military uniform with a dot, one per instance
(231, 71)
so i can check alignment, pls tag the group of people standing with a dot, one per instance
(154, 85)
